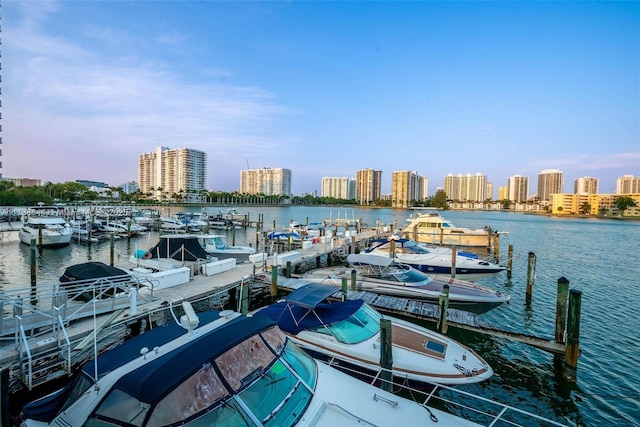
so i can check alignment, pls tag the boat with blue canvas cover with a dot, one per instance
(434, 260)
(220, 368)
(348, 332)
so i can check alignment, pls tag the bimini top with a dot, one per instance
(306, 308)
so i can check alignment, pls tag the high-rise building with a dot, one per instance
(518, 188)
(585, 185)
(470, 188)
(628, 184)
(336, 188)
(267, 181)
(407, 187)
(550, 181)
(173, 173)
(368, 186)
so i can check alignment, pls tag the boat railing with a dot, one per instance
(481, 410)
(39, 307)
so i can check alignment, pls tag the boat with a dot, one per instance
(127, 228)
(431, 228)
(216, 246)
(434, 260)
(312, 230)
(53, 228)
(172, 225)
(383, 275)
(349, 332)
(221, 368)
(95, 279)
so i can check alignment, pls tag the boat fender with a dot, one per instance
(147, 255)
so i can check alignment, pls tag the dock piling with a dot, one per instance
(344, 288)
(573, 336)
(561, 309)
(274, 281)
(531, 274)
(444, 306)
(509, 262)
(454, 254)
(386, 355)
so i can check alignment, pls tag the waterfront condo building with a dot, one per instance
(470, 188)
(368, 186)
(628, 184)
(173, 174)
(407, 187)
(550, 181)
(518, 188)
(585, 185)
(266, 181)
(338, 188)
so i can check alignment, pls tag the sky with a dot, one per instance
(323, 88)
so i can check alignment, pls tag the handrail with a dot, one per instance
(25, 343)
(67, 342)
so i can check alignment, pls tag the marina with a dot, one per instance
(236, 276)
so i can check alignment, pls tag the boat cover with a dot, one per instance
(172, 247)
(303, 309)
(90, 270)
(152, 382)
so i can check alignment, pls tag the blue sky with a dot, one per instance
(322, 88)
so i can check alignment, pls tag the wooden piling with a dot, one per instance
(488, 239)
(561, 309)
(40, 239)
(4, 397)
(233, 236)
(344, 288)
(509, 261)
(288, 270)
(454, 253)
(112, 250)
(354, 281)
(531, 274)
(496, 246)
(244, 297)
(33, 260)
(274, 282)
(386, 355)
(444, 306)
(573, 335)
(392, 248)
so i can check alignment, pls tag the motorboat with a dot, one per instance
(129, 227)
(349, 332)
(434, 260)
(312, 230)
(220, 368)
(385, 276)
(431, 228)
(171, 224)
(216, 246)
(54, 230)
(192, 223)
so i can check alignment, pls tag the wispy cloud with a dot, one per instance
(117, 107)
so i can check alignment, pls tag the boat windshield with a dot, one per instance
(271, 383)
(359, 327)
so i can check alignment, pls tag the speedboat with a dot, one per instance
(431, 228)
(54, 230)
(220, 368)
(434, 260)
(216, 246)
(385, 276)
(348, 332)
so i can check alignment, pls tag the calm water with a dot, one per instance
(598, 257)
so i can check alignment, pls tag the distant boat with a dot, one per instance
(216, 246)
(434, 260)
(54, 229)
(430, 227)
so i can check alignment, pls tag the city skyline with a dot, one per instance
(498, 88)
